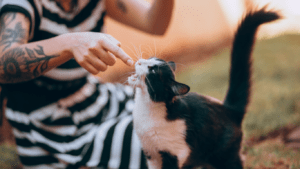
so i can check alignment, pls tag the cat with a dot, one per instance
(182, 129)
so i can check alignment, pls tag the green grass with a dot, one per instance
(272, 154)
(8, 157)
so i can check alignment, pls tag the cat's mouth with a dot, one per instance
(135, 80)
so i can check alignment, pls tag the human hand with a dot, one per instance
(96, 51)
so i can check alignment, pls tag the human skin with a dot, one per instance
(22, 61)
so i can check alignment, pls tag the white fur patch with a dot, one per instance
(157, 134)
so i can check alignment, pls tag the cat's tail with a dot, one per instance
(238, 94)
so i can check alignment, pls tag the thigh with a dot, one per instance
(115, 145)
(91, 127)
(98, 102)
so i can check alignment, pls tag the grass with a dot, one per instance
(272, 154)
(275, 100)
(8, 157)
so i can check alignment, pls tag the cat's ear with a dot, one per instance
(172, 65)
(179, 88)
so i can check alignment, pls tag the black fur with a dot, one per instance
(237, 97)
(161, 82)
(213, 129)
(169, 161)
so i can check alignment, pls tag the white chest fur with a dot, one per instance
(156, 133)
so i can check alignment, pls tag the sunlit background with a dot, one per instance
(199, 29)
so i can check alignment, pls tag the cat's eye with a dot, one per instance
(151, 69)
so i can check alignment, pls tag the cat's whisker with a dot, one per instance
(126, 74)
(140, 47)
(156, 53)
(150, 51)
(137, 52)
(134, 52)
(126, 82)
(135, 59)
(155, 48)
(141, 55)
(181, 64)
(149, 83)
(123, 81)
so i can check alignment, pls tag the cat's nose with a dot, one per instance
(139, 63)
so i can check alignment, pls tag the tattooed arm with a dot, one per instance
(23, 61)
(17, 62)
(152, 18)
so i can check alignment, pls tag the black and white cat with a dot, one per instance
(180, 129)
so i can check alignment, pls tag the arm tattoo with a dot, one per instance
(10, 36)
(18, 65)
(121, 5)
(6, 20)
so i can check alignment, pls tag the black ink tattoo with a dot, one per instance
(43, 66)
(16, 66)
(5, 20)
(15, 35)
(10, 62)
(121, 5)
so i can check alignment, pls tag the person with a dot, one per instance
(61, 115)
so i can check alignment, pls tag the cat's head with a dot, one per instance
(157, 76)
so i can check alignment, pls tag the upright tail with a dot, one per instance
(238, 94)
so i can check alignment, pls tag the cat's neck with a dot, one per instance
(144, 104)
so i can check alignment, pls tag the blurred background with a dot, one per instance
(199, 41)
(198, 30)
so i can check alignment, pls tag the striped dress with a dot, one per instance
(67, 118)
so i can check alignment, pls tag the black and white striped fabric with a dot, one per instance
(66, 118)
(91, 127)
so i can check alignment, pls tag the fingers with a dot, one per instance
(112, 57)
(99, 52)
(113, 46)
(89, 61)
(88, 67)
(97, 63)
(104, 56)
